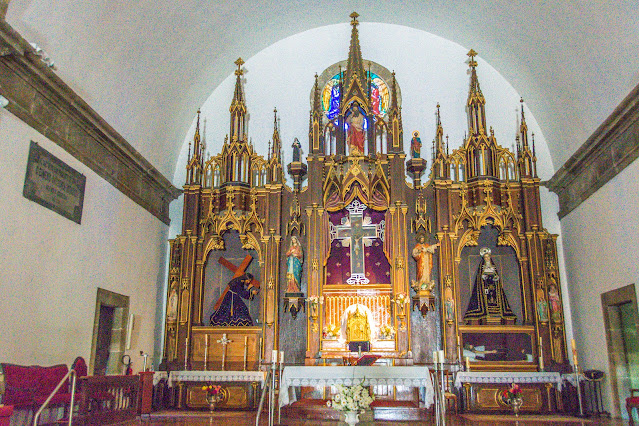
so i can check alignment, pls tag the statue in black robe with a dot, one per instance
(233, 312)
(488, 302)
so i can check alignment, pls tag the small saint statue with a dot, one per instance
(297, 150)
(294, 262)
(488, 303)
(415, 146)
(232, 311)
(423, 255)
(356, 132)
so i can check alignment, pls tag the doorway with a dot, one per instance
(109, 333)
(621, 320)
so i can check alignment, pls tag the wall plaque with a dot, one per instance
(53, 184)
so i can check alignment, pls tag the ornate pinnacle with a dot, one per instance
(471, 54)
(239, 64)
(354, 17)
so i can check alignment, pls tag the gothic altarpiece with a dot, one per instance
(355, 258)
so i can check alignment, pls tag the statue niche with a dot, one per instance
(225, 285)
(488, 302)
(491, 293)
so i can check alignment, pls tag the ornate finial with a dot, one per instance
(471, 54)
(521, 101)
(239, 64)
(354, 17)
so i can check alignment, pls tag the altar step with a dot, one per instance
(382, 410)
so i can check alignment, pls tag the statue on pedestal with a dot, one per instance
(415, 146)
(294, 262)
(356, 131)
(423, 255)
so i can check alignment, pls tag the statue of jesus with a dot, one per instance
(423, 255)
(356, 133)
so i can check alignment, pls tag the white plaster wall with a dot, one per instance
(51, 267)
(600, 242)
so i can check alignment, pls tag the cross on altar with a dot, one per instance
(357, 231)
(224, 341)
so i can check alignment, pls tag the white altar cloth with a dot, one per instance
(507, 377)
(411, 376)
(216, 376)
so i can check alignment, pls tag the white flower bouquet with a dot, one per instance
(351, 398)
(386, 331)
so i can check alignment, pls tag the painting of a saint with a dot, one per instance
(233, 312)
(356, 132)
(294, 262)
(488, 301)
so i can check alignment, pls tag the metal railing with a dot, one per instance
(70, 374)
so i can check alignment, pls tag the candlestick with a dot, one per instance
(206, 351)
(245, 351)
(186, 353)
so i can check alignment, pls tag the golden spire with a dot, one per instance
(476, 100)
(238, 107)
(355, 64)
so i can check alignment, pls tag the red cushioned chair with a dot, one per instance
(5, 414)
(632, 402)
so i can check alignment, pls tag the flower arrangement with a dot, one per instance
(386, 331)
(331, 331)
(512, 395)
(315, 300)
(351, 398)
(401, 299)
(212, 390)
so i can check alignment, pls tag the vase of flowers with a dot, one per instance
(386, 332)
(512, 397)
(352, 400)
(213, 395)
(331, 332)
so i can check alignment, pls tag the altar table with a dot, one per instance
(482, 390)
(216, 376)
(507, 377)
(410, 376)
(241, 388)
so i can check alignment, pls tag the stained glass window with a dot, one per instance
(380, 97)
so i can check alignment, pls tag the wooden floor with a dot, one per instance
(243, 418)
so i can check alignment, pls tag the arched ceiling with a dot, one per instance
(146, 66)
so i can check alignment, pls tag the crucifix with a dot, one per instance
(356, 232)
(238, 271)
(224, 341)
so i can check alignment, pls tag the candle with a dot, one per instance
(574, 352)
(435, 357)
(467, 364)
(206, 350)
(441, 357)
(245, 351)
(274, 356)
(186, 353)
(282, 357)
